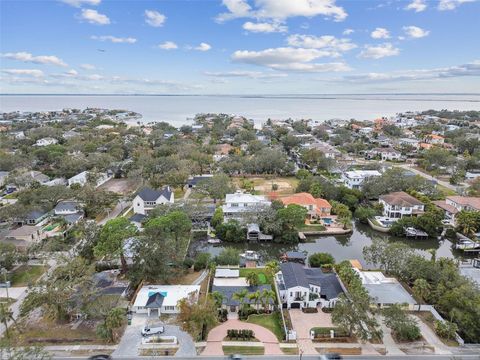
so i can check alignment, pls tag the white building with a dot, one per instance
(355, 178)
(163, 299)
(396, 205)
(147, 199)
(82, 178)
(454, 204)
(46, 141)
(301, 287)
(239, 204)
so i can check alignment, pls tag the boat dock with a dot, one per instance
(415, 233)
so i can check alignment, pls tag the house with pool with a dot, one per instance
(317, 208)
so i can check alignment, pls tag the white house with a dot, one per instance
(355, 178)
(147, 199)
(396, 205)
(82, 178)
(454, 204)
(46, 141)
(163, 299)
(239, 204)
(301, 287)
(70, 210)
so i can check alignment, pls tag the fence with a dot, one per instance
(439, 317)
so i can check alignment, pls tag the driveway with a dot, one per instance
(132, 338)
(302, 323)
(217, 334)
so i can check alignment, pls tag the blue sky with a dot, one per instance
(239, 46)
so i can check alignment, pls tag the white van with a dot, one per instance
(147, 330)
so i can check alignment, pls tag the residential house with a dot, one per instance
(254, 234)
(301, 287)
(239, 205)
(56, 182)
(163, 299)
(24, 236)
(147, 199)
(222, 151)
(355, 178)
(83, 177)
(228, 282)
(70, 134)
(472, 175)
(46, 141)
(328, 150)
(71, 211)
(386, 154)
(454, 204)
(434, 139)
(317, 207)
(396, 205)
(385, 291)
(36, 217)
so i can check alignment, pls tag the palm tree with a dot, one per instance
(421, 289)
(272, 267)
(6, 315)
(240, 296)
(218, 297)
(252, 278)
(255, 297)
(266, 296)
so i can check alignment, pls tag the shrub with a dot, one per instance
(445, 329)
(187, 263)
(319, 259)
(201, 261)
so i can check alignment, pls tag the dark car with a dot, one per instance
(100, 357)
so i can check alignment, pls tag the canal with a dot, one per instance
(343, 247)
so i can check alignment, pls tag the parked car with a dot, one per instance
(147, 330)
(100, 357)
(331, 356)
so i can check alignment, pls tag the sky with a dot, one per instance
(239, 46)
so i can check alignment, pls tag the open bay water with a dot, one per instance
(177, 109)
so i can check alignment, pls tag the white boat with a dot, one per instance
(465, 244)
(214, 241)
(250, 255)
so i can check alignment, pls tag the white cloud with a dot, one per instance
(380, 33)
(114, 39)
(168, 45)
(379, 51)
(203, 47)
(265, 27)
(24, 72)
(417, 5)
(94, 17)
(289, 58)
(451, 4)
(247, 74)
(415, 32)
(464, 70)
(72, 72)
(79, 3)
(282, 9)
(154, 18)
(41, 59)
(326, 42)
(348, 31)
(88, 67)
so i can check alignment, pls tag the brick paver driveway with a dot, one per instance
(217, 334)
(302, 323)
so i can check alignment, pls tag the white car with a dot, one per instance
(147, 330)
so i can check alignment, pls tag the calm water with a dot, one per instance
(177, 109)
(341, 247)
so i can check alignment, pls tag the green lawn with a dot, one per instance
(272, 322)
(311, 227)
(244, 350)
(26, 274)
(263, 277)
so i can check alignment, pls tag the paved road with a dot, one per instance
(296, 357)
(428, 177)
(121, 205)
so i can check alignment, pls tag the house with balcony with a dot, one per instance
(301, 287)
(454, 204)
(317, 208)
(240, 205)
(147, 199)
(396, 205)
(354, 179)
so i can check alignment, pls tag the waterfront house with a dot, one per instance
(354, 179)
(147, 199)
(239, 205)
(254, 234)
(301, 287)
(454, 204)
(163, 299)
(317, 207)
(396, 205)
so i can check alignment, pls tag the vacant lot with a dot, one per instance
(120, 186)
(263, 185)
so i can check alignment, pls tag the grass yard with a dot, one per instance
(290, 350)
(341, 351)
(263, 277)
(446, 191)
(263, 185)
(311, 227)
(244, 350)
(272, 322)
(26, 274)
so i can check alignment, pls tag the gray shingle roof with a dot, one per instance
(35, 214)
(228, 291)
(294, 275)
(155, 301)
(69, 205)
(148, 194)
